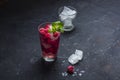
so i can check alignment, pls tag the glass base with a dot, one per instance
(68, 28)
(49, 59)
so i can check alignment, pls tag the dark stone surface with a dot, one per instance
(97, 33)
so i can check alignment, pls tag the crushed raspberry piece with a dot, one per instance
(70, 69)
(52, 42)
(42, 32)
(46, 30)
(56, 34)
(51, 50)
(41, 29)
(47, 26)
(47, 35)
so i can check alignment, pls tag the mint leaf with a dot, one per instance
(57, 26)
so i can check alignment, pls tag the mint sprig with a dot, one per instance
(56, 26)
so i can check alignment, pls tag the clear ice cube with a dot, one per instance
(79, 53)
(68, 11)
(74, 58)
(68, 23)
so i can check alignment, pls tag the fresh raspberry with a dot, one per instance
(52, 50)
(46, 30)
(41, 29)
(42, 32)
(70, 69)
(52, 42)
(47, 35)
(56, 34)
(47, 26)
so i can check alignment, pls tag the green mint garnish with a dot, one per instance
(56, 26)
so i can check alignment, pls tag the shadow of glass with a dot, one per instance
(44, 67)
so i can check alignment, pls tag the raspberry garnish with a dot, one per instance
(47, 35)
(46, 30)
(42, 32)
(47, 26)
(56, 34)
(41, 29)
(70, 69)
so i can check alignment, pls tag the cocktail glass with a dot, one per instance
(49, 42)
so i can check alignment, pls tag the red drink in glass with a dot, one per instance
(49, 42)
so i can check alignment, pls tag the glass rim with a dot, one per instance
(62, 7)
(39, 26)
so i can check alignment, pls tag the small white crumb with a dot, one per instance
(82, 71)
(80, 74)
(64, 74)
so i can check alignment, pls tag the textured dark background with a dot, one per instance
(97, 33)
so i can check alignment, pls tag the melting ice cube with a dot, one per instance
(74, 58)
(79, 53)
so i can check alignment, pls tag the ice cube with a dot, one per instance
(63, 17)
(67, 11)
(73, 59)
(68, 23)
(79, 53)
(46, 45)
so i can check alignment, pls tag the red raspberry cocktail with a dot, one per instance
(49, 41)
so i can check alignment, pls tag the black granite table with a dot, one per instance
(97, 33)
